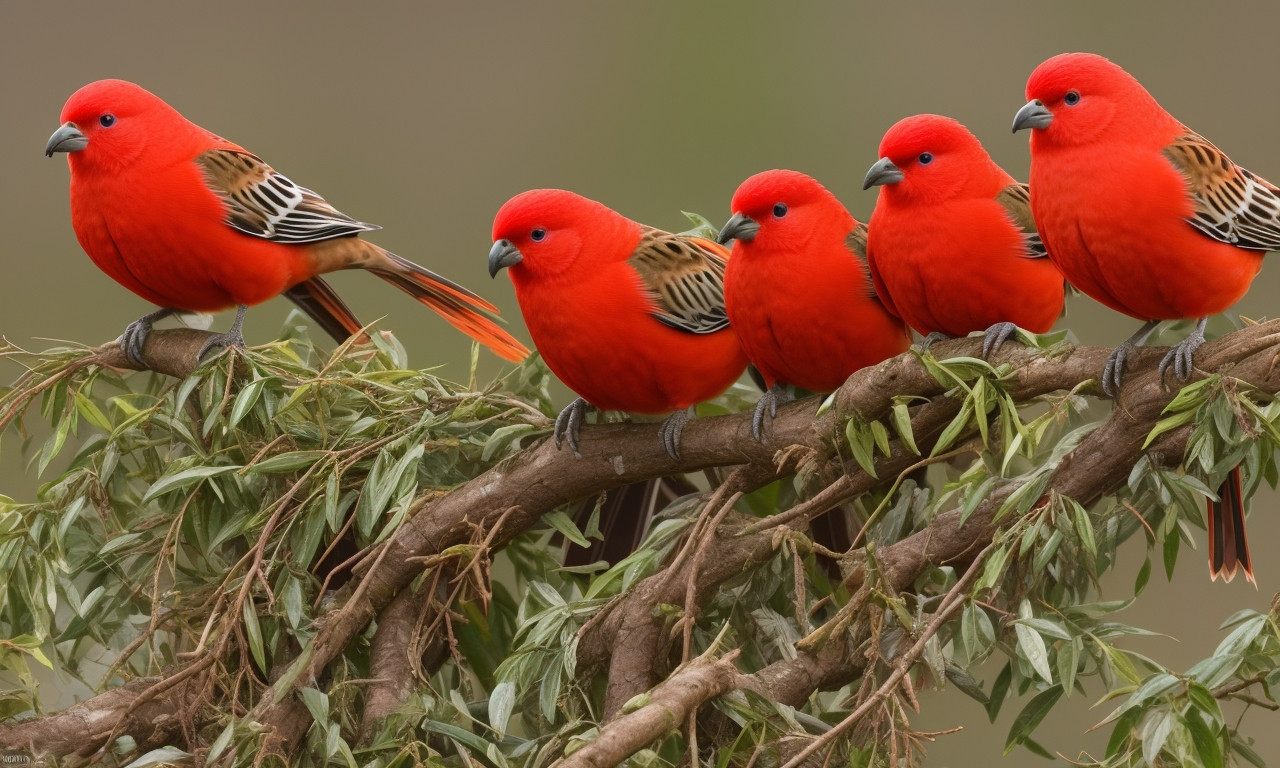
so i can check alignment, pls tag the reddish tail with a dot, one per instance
(463, 309)
(1228, 546)
(323, 305)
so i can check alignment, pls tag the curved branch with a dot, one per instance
(664, 709)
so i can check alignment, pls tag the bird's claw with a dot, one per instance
(767, 402)
(1181, 355)
(135, 335)
(933, 336)
(995, 336)
(569, 424)
(232, 338)
(671, 428)
(1113, 371)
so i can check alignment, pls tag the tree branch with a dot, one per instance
(541, 479)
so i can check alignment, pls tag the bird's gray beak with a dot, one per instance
(67, 138)
(1034, 114)
(503, 254)
(883, 172)
(739, 227)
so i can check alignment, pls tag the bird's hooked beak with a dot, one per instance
(739, 226)
(503, 254)
(883, 172)
(1034, 114)
(67, 138)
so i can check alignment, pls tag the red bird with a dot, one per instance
(1149, 218)
(194, 223)
(952, 245)
(631, 318)
(797, 289)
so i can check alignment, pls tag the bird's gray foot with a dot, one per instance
(671, 428)
(1113, 371)
(768, 402)
(569, 425)
(135, 334)
(232, 338)
(1180, 355)
(995, 336)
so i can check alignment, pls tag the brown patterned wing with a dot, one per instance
(856, 242)
(1233, 205)
(1016, 200)
(684, 277)
(263, 203)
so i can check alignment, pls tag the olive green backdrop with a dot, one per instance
(425, 118)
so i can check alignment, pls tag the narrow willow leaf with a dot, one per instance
(902, 425)
(1031, 716)
(502, 702)
(184, 479)
(1206, 743)
(1033, 650)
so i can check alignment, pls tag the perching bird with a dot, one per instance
(631, 318)
(1149, 218)
(952, 246)
(797, 289)
(191, 222)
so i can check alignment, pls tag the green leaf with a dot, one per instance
(254, 633)
(1144, 574)
(564, 524)
(502, 702)
(902, 425)
(184, 479)
(245, 400)
(1031, 716)
(1206, 743)
(286, 462)
(999, 689)
(317, 703)
(860, 445)
(1032, 644)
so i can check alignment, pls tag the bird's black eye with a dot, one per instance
(779, 210)
(1072, 98)
(107, 120)
(538, 235)
(925, 158)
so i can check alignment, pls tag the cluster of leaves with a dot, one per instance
(214, 516)
(216, 513)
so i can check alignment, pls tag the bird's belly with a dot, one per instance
(1163, 271)
(812, 335)
(183, 261)
(627, 361)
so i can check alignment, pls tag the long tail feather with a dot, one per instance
(1228, 545)
(462, 309)
(323, 305)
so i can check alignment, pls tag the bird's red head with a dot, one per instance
(929, 159)
(541, 233)
(1076, 98)
(111, 124)
(782, 210)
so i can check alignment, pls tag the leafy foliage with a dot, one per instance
(207, 522)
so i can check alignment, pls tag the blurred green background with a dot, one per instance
(425, 118)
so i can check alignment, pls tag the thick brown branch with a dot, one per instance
(666, 707)
(72, 737)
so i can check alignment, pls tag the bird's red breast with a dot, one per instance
(798, 292)
(951, 242)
